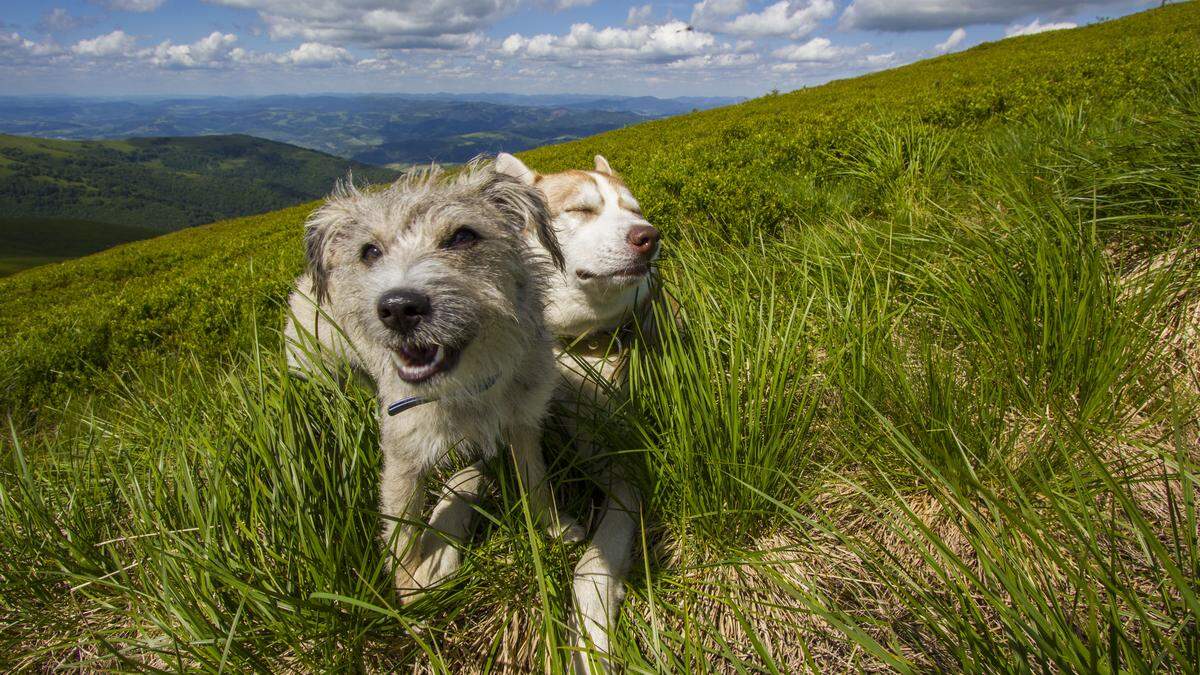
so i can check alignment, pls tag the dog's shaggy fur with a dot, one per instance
(473, 344)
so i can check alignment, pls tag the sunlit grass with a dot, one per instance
(946, 419)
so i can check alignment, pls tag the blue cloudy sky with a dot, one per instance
(709, 47)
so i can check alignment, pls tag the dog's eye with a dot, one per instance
(462, 238)
(370, 253)
(582, 209)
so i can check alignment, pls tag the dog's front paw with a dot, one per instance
(433, 570)
(408, 590)
(596, 596)
(438, 566)
(568, 529)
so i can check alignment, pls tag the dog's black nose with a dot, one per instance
(403, 310)
(643, 239)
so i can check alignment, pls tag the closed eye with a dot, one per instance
(582, 208)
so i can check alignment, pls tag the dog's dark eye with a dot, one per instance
(370, 253)
(462, 238)
(583, 209)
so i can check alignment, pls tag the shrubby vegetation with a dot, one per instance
(935, 407)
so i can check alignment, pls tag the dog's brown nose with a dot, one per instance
(403, 310)
(643, 239)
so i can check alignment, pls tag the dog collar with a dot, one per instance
(414, 401)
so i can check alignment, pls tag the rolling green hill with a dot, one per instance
(935, 407)
(29, 242)
(141, 187)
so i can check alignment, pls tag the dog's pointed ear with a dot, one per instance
(603, 167)
(510, 165)
(525, 206)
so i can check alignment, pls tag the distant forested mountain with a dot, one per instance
(380, 129)
(63, 199)
(163, 183)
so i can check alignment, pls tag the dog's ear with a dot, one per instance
(316, 237)
(603, 167)
(325, 225)
(525, 206)
(320, 230)
(507, 164)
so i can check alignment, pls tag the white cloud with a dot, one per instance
(795, 19)
(392, 24)
(560, 5)
(315, 54)
(816, 50)
(1036, 26)
(18, 50)
(880, 60)
(639, 15)
(903, 15)
(132, 5)
(214, 51)
(717, 9)
(220, 50)
(663, 43)
(953, 41)
(714, 61)
(115, 43)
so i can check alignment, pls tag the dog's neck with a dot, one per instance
(573, 312)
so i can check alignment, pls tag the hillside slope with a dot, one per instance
(936, 406)
(29, 242)
(749, 170)
(163, 183)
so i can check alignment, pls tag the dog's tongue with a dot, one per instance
(420, 356)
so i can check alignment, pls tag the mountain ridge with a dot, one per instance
(82, 196)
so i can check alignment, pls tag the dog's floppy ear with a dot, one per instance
(316, 236)
(526, 207)
(320, 229)
(507, 164)
(603, 167)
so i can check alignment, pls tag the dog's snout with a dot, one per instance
(643, 238)
(403, 310)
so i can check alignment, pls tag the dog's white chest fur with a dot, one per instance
(435, 431)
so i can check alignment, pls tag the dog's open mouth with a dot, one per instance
(623, 274)
(418, 363)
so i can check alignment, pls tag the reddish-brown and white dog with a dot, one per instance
(597, 306)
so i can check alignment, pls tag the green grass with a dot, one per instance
(28, 242)
(11, 264)
(934, 406)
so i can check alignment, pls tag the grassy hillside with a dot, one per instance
(163, 183)
(28, 242)
(935, 407)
